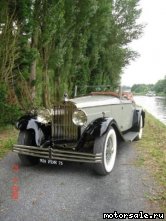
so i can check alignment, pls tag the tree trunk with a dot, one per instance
(33, 66)
(33, 80)
(45, 92)
(45, 78)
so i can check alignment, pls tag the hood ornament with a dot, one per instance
(66, 98)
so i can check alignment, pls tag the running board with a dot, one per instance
(130, 136)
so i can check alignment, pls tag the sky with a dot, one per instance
(151, 65)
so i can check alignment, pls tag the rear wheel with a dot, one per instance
(107, 145)
(139, 136)
(27, 137)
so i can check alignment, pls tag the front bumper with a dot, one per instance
(57, 154)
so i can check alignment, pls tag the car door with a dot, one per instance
(127, 110)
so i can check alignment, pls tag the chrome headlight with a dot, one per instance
(79, 118)
(44, 116)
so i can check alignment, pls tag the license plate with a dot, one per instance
(53, 162)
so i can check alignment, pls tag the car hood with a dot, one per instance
(95, 100)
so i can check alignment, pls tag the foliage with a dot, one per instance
(49, 46)
(142, 88)
(159, 88)
(9, 112)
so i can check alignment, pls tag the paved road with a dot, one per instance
(72, 192)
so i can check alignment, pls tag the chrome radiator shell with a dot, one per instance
(62, 126)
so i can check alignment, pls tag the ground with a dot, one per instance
(73, 191)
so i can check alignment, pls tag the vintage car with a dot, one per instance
(82, 129)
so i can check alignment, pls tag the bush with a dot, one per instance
(8, 112)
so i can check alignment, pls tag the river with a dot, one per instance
(154, 105)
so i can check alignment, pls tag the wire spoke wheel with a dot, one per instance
(109, 150)
(107, 145)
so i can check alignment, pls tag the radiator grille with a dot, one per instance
(62, 125)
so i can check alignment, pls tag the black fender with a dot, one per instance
(98, 128)
(136, 118)
(29, 122)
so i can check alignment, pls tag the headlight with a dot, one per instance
(44, 116)
(79, 118)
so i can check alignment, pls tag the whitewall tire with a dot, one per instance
(107, 145)
(139, 136)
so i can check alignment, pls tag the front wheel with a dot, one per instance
(107, 145)
(27, 137)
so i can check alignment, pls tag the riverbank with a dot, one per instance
(152, 156)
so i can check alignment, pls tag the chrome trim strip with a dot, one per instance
(73, 152)
(77, 160)
(57, 154)
(76, 157)
(34, 151)
(31, 154)
(28, 147)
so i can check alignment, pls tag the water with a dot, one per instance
(154, 105)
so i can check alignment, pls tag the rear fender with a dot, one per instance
(136, 118)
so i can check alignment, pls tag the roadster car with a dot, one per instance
(82, 129)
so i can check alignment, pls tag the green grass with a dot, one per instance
(8, 136)
(152, 155)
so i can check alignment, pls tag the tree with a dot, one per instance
(160, 86)
(142, 88)
(8, 49)
(51, 45)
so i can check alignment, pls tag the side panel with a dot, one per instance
(128, 111)
(116, 112)
(97, 113)
(122, 113)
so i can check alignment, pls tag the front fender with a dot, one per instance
(97, 128)
(30, 123)
(39, 136)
